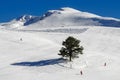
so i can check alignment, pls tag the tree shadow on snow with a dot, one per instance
(41, 63)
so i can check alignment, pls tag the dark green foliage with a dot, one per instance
(71, 48)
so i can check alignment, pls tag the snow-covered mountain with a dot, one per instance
(63, 17)
(20, 22)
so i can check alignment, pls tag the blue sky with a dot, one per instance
(10, 9)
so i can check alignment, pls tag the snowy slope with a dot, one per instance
(35, 57)
(59, 18)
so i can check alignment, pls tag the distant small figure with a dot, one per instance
(105, 64)
(81, 72)
(20, 39)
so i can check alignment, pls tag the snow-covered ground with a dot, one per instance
(35, 56)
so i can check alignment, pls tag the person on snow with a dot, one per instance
(20, 39)
(105, 64)
(81, 72)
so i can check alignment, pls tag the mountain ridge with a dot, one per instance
(65, 16)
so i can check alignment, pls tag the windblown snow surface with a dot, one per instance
(30, 52)
(35, 57)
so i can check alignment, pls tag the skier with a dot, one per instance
(81, 72)
(20, 39)
(105, 64)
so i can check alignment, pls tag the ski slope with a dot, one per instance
(35, 57)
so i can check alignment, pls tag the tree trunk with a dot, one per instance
(70, 56)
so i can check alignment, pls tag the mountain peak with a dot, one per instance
(24, 18)
(64, 10)
(69, 9)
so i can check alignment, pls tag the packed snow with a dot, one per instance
(35, 56)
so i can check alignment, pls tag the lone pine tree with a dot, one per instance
(71, 48)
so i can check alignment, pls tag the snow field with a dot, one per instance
(37, 48)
